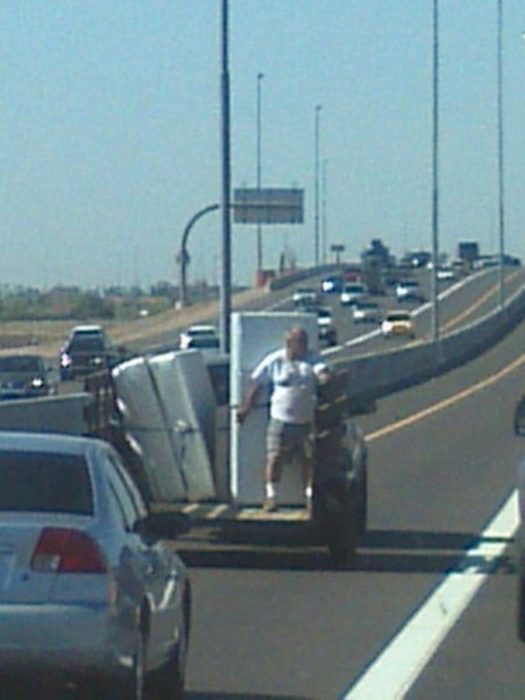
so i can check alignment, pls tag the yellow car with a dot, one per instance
(398, 323)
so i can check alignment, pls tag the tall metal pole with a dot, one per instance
(501, 191)
(225, 293)
(323, 210)
(435, 177)
(317, 120)
(260, 76)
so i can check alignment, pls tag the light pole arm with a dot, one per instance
(183, 257)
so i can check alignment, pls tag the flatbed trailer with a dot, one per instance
(338, 514)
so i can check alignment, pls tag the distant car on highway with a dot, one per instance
(352, 293)
(199, 333)
(304, 296)
(208, 345)
(332, 284)
(89, 592)
(409, 290)
(327, 331)
(86, 351)
(366, 312)
(398, 323)
(25, 377)
(445, 274)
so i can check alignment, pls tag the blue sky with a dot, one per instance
(110, 130)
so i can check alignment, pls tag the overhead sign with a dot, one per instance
(268, 206)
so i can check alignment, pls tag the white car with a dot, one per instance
(408, 290)
(445, 274)
(366, 312)
(89, 592)
(327, 331)
(398, 323)
(198, 333)
(305, 296)
(352, 293)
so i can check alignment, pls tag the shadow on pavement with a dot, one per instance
(382, 551)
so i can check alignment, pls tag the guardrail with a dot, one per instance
(297, 275)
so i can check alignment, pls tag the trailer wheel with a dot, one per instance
(362, 508)
(338, 518)
(520, 599)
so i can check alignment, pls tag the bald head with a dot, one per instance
(296, 340)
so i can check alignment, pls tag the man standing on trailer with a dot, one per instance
(292, 375)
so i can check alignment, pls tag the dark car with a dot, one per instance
(86, 351)
(24, 377)
(332, 284)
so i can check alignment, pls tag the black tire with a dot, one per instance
(520, 601)
(167, 683)
(338, 526)
(132, 685)
(362, 509)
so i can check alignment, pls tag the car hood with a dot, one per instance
(19, 377)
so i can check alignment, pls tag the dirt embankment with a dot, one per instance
(46, 337)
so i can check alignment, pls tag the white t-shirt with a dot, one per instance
(293, 385)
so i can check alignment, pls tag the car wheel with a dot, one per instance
(362, 508)
(167, 683)
(520, 608)
(519, 417)
(131, 687)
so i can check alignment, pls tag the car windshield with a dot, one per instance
(204, 341)
(324, 313)
(398, 317)
(200, 332)
(44, 482)
(21, 364)
(87, 342)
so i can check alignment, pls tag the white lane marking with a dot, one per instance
(393, 673)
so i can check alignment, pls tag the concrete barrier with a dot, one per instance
(376, 375)
(298, 275)
(53, 414)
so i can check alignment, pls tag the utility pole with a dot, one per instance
(225, 292)
(501, 190)
(260, 76)
(317, 119)
(435, 177)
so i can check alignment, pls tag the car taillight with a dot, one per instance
(64, 550)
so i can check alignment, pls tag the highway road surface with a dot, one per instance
(274, 621)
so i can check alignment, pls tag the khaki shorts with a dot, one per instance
(289, 441)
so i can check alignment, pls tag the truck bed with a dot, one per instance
(223, 513)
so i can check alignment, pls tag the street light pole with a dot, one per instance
(225, 292)
(501, 191)
(260, 76)
(323, 209)
(435, 177)
(317, 120)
